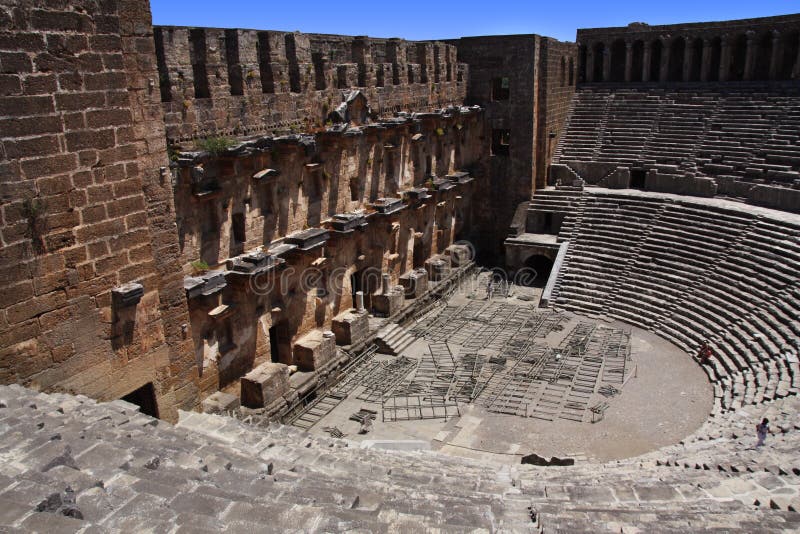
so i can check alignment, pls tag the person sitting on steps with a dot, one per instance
(705, 353)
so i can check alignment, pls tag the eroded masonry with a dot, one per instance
(169, 190)
(477, 252)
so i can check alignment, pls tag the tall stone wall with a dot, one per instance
(86, 209)
(246, 82)
(279, 187)
(737, 50)
(102, 223)
(518, 79)
(503, 73)
(315, 177)
(556, 88)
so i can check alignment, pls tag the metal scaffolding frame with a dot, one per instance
(504, 367)
(414, 407)
(383, 380)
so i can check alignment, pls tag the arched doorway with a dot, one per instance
(145, 398)
(280, 342)
(790, 43)
(677, 51)
(618, 61)
(541, 266)
(697, 60)
(637, 61)
(655, 61)
(599, 55)
(716, 59)
(582, 72)
(763, 57)
(571, 71)
(738, 58)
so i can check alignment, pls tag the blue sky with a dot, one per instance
(440, 19)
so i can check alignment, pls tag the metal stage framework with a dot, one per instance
(502, 363)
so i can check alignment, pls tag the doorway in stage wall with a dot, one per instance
(637, 178)
(280, 345)
(145, 398)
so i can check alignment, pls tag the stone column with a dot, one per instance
(663, 73)
(628, 60)
(386, 284)
(796, 69)
(688, 58)
(705, 62)
(776, 55)
(725, 60)
(360, 301)
(589, 63)
(646, 57)
(750, 56)
(606, 64)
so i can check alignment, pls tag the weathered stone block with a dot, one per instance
(346, 222)
(459, 255)
(680, 185)
(619, 179)
(316, 351)
(781, 198)
(220, 402)
(350, 327)
(265, 384)
(387, 304)
(308, 239)
(387, 206)
(437, 267)
(127, 294)
(415, 283)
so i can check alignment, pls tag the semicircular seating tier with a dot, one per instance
(73, 465)
(740, 135)
(691, 271)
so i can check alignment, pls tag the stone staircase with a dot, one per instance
(393, 339)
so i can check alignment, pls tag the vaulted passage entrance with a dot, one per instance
(145, 398)
(542, 265)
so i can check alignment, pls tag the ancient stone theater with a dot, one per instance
(258, 280)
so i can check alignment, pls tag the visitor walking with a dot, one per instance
(762, 429)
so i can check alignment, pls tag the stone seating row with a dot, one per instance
(750, 137)
(82, 466)
(70, 464)
(728, 284)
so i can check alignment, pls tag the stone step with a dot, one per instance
(393, 340)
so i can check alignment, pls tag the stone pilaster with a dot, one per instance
(750, 56)
(606, 64)
(663, 74)
(628, 60)
(688, 59)
(705, 61)
(776, 55)
(725, 60)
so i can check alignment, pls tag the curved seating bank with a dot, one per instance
(74, 465)
(691, 271)
(739, 140)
